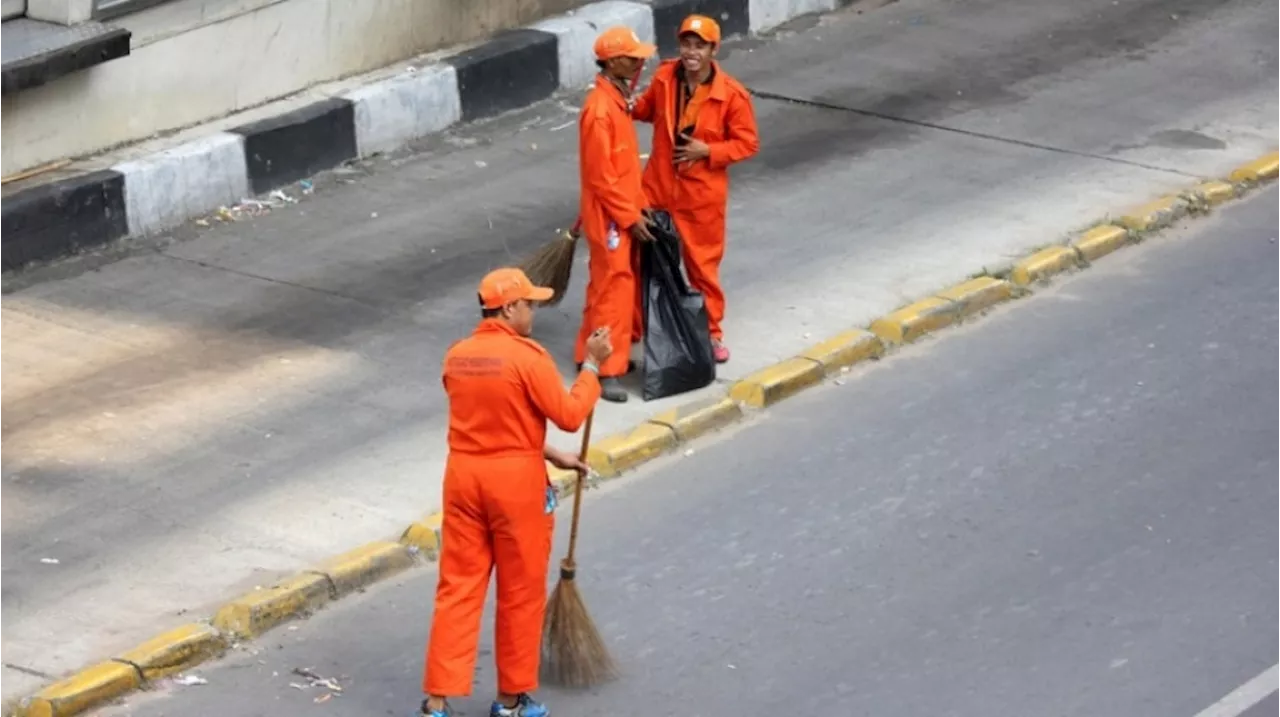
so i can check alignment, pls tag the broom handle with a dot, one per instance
(577, 493)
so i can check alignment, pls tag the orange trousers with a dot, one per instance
(494, 516)
(611, 295)
(702, 249)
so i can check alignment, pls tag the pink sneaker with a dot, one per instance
(719, 351)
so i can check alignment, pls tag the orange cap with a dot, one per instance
(702, 26)
(622, 41)
(504, 286)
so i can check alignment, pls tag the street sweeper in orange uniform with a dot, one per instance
(499, 504)
(613, 209)
(703, 123)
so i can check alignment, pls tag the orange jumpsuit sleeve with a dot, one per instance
(566, 409)
(646, 104)
(743, 137)
(602, 177)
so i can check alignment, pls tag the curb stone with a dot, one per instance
(1100, 241)
(173, 651)
(1260, 169)
(1156, 215)
(61, 217)
(1043, 264)
(299, 595)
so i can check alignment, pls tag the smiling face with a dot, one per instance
(695, 53)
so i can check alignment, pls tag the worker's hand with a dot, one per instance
(691, 149)
(640, 231)
(599, 345)
(565, 460)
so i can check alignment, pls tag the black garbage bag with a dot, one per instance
(677, 340)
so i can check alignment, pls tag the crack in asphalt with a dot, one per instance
(968, 133)
(281, 282)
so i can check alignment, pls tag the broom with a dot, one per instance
(573, 653)
(552, 265)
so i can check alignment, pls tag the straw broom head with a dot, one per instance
(573, 653)
(552, 265)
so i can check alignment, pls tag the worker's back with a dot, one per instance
(487, 377)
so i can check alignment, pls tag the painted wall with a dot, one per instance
(265, 50)
(12, 8)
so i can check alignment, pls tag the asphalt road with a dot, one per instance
(213, 413)
(1067, 508)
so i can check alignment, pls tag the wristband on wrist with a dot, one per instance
(591, 366)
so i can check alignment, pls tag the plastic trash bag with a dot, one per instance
(677, 340)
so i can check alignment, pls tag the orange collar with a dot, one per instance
(719, 87)
(604, 83)
(495, 326)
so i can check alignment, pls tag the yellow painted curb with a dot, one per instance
(261, 610)
(774, 383)
(1100, 241)
(615, 454)
(1044, 264)
(1212, 193)
(425, 535)
(367, 564)
(1155, 215)
(84, 690)
(845, 349)
(699, 417)
(911, 322)
(977, 295)
(175, 651)
(1262, 168)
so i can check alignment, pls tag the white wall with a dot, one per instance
(233, 63)
(12, 8)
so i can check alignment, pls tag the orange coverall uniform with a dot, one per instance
(502, 389)
(696, 194)
(611, 201)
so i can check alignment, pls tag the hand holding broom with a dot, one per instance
(573, 653)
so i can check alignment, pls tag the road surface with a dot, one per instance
(1068, 509)
(191, 422)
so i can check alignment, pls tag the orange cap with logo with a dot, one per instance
(504, 286)
(622, 41)
(702, 26)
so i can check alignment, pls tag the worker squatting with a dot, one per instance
(503, 386)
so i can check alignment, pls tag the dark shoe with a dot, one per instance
(611, 390)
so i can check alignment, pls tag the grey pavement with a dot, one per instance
(231, 404)
(1068, 508)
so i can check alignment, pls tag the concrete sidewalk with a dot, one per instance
(201, 419)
